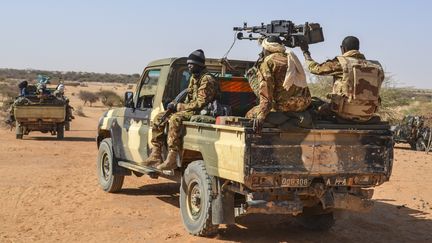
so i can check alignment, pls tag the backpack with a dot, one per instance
(356, 96)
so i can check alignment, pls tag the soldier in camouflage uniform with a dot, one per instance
(268, 84)
(59, 94)
(202, 90)
(355, 93)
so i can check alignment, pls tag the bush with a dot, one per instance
(88, 96)
(321, 86)
(110, 98)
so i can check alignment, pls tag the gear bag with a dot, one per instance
(356, 96)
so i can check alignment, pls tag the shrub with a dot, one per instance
(110, 98)
(88, 96)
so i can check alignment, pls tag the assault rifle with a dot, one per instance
(292, 35)
(179, 98)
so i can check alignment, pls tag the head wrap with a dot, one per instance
(272, 46)
(60, 88)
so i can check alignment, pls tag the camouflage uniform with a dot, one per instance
(268, 85)
(332, 67)
(202, 90)
(346, 101)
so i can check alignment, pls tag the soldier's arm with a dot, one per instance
(266, 89)
(328, 67)
(206, 94)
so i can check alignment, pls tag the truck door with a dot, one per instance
(137, 119)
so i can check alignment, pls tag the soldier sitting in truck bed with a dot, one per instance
(357, 81)
(202, 90)
(270, 86)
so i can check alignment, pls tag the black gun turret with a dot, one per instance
(291, 35)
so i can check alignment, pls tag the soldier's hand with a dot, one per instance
(257, 125)
(180, 107)
(171, 106)
(304, 46)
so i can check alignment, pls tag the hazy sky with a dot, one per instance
(123, 36)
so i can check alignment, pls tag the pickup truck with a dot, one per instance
(226, 170)
(33, 113)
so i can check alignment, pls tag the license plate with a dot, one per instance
(294, 182)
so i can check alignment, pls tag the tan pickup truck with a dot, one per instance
(44, 115)
(227, 170)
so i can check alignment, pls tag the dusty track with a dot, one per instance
(49, 192)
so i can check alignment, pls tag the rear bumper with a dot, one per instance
(329, 201)
(275, 180)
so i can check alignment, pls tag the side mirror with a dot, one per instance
(128, 97)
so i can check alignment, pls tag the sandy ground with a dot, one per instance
(49, 192)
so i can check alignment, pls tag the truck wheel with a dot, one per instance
(420, 144)
(19, 131)
(196, 200)
(67, 126)
(105, 165)
(317, 222)
(60, 131)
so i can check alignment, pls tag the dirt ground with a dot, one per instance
(49, 192)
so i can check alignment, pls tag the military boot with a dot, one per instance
(170, 163)
(154, 158)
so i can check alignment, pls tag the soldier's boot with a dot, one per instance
(170, 163)
(154, 158)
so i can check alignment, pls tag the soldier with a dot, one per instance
(59, 94)
(357, 81)
(270, 87)
(202, 90)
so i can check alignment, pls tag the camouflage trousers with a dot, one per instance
(174, 123)
(294, 104)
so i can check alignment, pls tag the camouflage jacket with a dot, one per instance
(202, 90)
(332, 67)
(270, 76)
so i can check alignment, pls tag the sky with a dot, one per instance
(110, 36)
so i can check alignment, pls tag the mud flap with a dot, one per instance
(351, 202)
(223, 208)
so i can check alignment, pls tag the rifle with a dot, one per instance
(292, 35)
(179, 98)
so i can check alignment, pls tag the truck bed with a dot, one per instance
(336, 154)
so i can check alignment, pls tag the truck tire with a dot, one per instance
(420, 144)
(60, 131)
(105, 165)
(67, 126)
(19, 131)
(317, 222)
(196, 200)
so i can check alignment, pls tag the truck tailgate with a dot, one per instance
(35, 112)
(314, 153)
